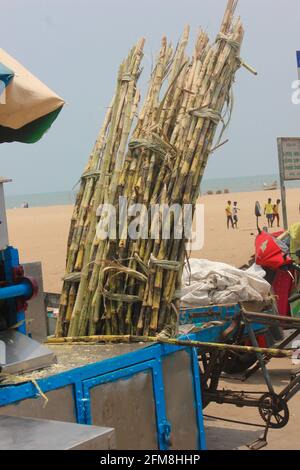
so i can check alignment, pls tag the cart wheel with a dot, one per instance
(272, 403)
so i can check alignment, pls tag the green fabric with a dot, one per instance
(295, 306)
(30, 133)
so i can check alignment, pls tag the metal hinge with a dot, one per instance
(165, 434)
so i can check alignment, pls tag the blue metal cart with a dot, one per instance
(150, 395)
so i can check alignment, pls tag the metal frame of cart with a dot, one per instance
(148, 361)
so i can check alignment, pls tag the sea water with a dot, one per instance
(234, 185)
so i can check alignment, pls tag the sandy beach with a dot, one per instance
(41, 234)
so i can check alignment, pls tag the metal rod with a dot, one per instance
(234, 421)
(287, 326)
(260, 357)
(23, 289)
(281, 345)
(282, 183)
(278, 318)
(288, 340)
(290, 390)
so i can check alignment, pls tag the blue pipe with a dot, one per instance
(24, 289)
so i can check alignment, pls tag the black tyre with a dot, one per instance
(238, 364)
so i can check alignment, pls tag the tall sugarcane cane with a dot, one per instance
(91, 193)
(125, 99)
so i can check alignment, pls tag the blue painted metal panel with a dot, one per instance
(199, 315)
(198, 400)
(79, 401)
(154, 366)
(10, 256)
(163, 425)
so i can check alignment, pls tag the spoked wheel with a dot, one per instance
(272, 404)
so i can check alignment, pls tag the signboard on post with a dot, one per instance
(289, 167)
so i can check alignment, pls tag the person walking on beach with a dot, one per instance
(235, 215)
(276, 215)
(228, 211)
(269, 213)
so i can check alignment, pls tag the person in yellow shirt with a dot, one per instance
(276, 215)
(228, 211)
(269, 213)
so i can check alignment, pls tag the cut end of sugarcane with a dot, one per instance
(141, 43)
(248, 67)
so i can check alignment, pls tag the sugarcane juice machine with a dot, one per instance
(18, 352)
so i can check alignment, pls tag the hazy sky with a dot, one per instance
(75, 47)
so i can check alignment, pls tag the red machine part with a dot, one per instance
(268, 253)
(34, 285)
(22, 305)
(261, 340)
(282, 287)
(18, 276)
(18, 273)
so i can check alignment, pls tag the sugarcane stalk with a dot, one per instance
(268, 352)
(97, 198)
(89, 287)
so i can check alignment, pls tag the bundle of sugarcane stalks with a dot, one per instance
(119, 284)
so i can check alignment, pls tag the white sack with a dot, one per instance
(212, 283)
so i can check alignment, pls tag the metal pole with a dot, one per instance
(282, 184)
(23, 289)
(260, 356)
(292, 323)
